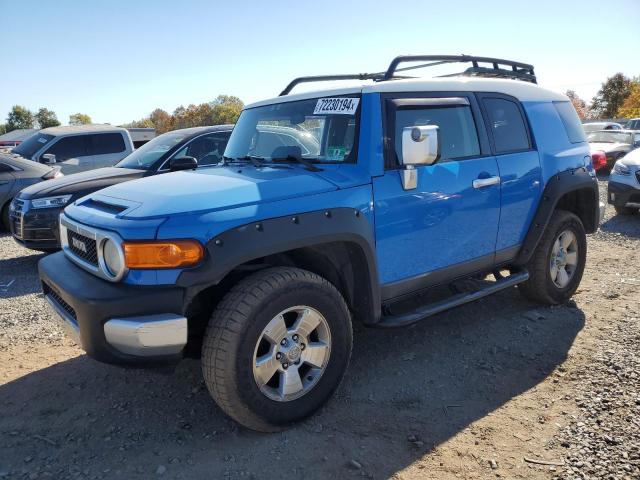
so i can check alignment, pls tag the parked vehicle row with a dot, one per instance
(608, 146)
(35, 211)
(327, 207)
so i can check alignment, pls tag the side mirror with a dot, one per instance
(48, 158)
(183, 163)
(420, 146)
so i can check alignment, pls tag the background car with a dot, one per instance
(36, 209)
(624, 184)
(595, 126)
(77, 148)
(16, 174)
(633, 124)
(614, 144)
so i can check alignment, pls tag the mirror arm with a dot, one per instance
(409, 177)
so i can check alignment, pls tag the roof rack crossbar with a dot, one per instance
(524, 71)
(329, 78)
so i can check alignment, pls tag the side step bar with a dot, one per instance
(393, 321)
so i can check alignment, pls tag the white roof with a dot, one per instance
(523, 91)
(75, 129)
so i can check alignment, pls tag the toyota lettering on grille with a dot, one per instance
(79, 245)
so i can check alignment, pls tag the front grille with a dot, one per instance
(83, 247)
(15, 217)
(48, 291)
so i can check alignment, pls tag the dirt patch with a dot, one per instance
(498, 388)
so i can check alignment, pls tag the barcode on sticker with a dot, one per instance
(336, 106)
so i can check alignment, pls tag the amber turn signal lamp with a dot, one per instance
(169, 254)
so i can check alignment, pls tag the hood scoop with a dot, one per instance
(109, 205)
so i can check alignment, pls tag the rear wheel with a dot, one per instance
(557, 265)
(621, 210)
(276, 347)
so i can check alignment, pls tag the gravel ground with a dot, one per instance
(498, 388)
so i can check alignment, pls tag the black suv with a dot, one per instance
(35, 210)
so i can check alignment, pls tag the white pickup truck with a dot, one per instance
(77, 148)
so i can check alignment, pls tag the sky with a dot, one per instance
(118, 60)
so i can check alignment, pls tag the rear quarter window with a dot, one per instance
(571, 122)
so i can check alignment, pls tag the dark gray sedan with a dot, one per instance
(16, 174)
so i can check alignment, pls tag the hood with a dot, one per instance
(81, 183)
(609, 147)
(28, 166)
(210, 189)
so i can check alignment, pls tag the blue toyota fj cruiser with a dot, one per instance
(326, 207)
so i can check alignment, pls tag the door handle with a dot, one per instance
(486, 182)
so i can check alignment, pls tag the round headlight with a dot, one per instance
(113, 258)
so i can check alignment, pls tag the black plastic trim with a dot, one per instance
(95, 301)
(397, 290)
(558, 186)
(257, 240)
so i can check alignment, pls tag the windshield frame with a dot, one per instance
(351, 159)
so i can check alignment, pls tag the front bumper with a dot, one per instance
(623, 195)
(35, 228)
(112, 322)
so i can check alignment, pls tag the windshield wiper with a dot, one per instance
(255, 160)
(308, 165)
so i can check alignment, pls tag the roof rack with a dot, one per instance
(498, 68)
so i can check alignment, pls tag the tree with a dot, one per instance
(161, 121)
(611, 96)
(3, 129)
(79, 119)
(46, 118)
(631, 106)
(579, 104)
(226, 109)
(19, 117)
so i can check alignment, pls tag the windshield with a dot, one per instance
(633, 125)
(609, 136)
(318, 130)
(145, 156)
(31, 145)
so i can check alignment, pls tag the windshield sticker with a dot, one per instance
(336, 106)
(336, 153)
(42, 140)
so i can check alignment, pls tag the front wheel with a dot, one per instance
(557, 264)
(276, 347)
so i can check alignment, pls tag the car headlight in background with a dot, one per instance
(50, 202)
(113, 258)
(621, 169)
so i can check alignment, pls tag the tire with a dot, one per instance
(541, 287)
(236, 336)
(621, 210)
(4, 218)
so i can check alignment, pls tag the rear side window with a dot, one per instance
(69, 147)
(507, 125)
(571, 121)
(457, 130)
(105, 143)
